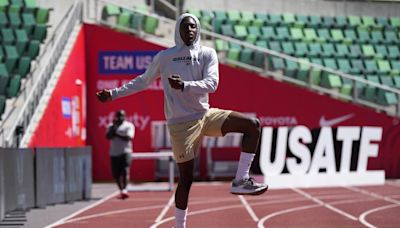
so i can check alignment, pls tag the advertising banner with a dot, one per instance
(302, 131)
(63, 121)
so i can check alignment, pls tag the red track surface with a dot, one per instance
(211, 205)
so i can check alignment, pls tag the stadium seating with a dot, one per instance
(23, 27)
(359, 45)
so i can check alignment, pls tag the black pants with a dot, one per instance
(120, 165)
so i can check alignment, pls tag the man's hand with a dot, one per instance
(104, 95)
(176, 82)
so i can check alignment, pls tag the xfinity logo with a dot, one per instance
(139, 121)
(321, 158)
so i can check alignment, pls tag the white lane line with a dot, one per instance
(114, 212)
(262, 221)
(165, 209)
(61, 221)
(248, 208)
(330, 207)
(394, 184)
(363, 216)
(373, 194)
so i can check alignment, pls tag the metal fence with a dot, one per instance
(44, 176)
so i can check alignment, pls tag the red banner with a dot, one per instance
(63, 122)
(112, 55)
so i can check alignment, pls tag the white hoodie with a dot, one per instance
(198, 68)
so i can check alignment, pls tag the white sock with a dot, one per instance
(180, 218)
(125, 191)
(244, 165)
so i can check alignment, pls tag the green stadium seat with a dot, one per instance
(39, 32)
(296, 34)
(390, 37)
(301, 21)
(304, 70)
(291, 68)
(330, 63)
(22, 40)
(383, 22)
(282, 33)
(354, 21)
(30, 5)
(275, 46)
(386, 80)
(33, 49)
(42, 15)
(233, 54)
(315, 50)
(11, 57)
(331, 81)
(355, 51)
(241, 32)
(370, 92)
(377, 37)
(221, 45)
(233, 45)
(370, 66)
(206, 19)
(3, 5)
(357, 64)
(261, 16)
(268, 33)
(288, 48)
(381, 51)
(341, 22)
(233, 17)
(227, 30)
(350, 35)
(3, 20)
(7, 36)
(217, 24)
(315, 21)
(150, 24)
(337, 35)
(394, 52)
(218, 14)
(28, 23)
(310, 35)
(324, 34)
(384, 67)
(396, 81)
(124, 21)
(387, 98)
(368, 22)
(195, 12)
(109, 10)
(261, 43)
(274, 20)
(137, 20)
(247, 18)
(368, 50)
(277, 63)
(344, 65)
(255, 31)
(342, 50)
(328, 50)
(14, 86)
(315, 73)
(363, 35)
(395, 67)
(259, 57)
(246, 56)
(395, 22)
(328, 21)
(24, 66)
(301, 49)
(289, 19)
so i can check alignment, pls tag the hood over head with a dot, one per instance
(178, 39)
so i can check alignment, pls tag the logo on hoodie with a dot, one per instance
(185, 59)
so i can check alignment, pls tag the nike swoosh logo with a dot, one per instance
(327, 123)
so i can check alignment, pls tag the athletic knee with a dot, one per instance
(186, 182)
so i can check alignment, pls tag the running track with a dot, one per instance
(211, 206)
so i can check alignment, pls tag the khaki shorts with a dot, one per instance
(186, 137)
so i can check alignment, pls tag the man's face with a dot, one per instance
(188, 30)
